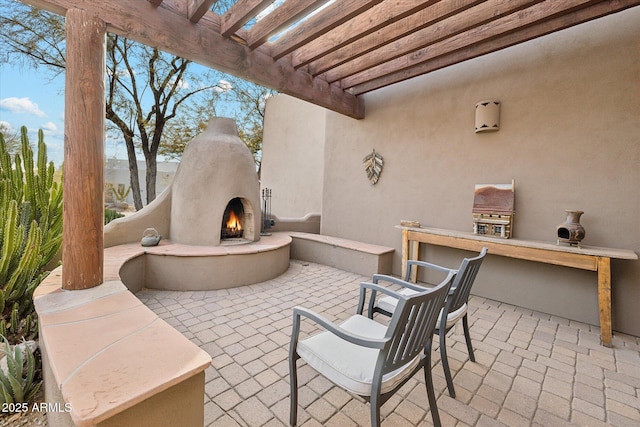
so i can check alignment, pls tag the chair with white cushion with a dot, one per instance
(455, 305)
(371, 359)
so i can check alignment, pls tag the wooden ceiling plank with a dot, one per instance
(197, 8)
(372, 20)
(486, 12)
(390, 33)
(161, 28)
(336, 14)
(519, 34)
(240, 13)
(279, 19)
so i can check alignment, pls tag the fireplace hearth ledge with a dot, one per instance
(179, 267)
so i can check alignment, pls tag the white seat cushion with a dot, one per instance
(389, 304)
(454, 316)
(349, 365)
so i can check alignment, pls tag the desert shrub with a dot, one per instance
(110, 215)
(20, 383)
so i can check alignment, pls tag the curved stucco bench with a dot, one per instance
(110, 361)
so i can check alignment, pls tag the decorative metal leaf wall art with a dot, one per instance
(373, 163)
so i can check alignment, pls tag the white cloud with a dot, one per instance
(54, 136)
(21, 106)
(119, 72)
(181, 84)
(50, 126)
(223, 86)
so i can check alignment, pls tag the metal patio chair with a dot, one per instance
(455, 304)
(368, 358)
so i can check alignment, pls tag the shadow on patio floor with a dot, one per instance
(531, 369)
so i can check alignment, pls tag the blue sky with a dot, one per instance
(30, 98)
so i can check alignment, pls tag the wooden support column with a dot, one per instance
(84, 124)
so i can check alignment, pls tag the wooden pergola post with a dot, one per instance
(84, 124)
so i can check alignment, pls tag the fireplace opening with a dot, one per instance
(232, 227)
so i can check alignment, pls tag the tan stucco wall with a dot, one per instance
(289, 125)
(569, 136)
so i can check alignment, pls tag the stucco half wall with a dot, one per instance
(569, 129)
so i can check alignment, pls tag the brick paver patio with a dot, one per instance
(531, 368)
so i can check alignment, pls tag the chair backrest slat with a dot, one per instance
(464, 280)
(417, 333)
(412, 324)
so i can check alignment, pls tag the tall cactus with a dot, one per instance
(30, 230)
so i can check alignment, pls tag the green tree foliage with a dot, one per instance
(30, 231)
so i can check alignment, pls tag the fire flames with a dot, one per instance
(233, 222)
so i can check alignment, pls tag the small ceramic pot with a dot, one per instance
(571, 231)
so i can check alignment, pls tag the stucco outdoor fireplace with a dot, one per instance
(210, 221)
(216, 195)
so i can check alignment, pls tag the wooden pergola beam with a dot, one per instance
(279, 19)
(470, 50)
(379, 16)
(240, 13)
(445, 22)
(461, 40)
(389, 34)
(197, 8)
(162, 28)
(335, 14)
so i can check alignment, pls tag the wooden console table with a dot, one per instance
(584, 257)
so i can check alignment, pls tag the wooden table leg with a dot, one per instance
(405, 252)
(410, 250)
(415, 254)
(604, 300)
